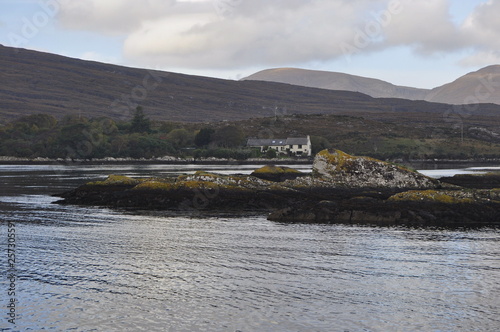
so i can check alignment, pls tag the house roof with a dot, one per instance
(277, 141)
(266, 142)
(297, 141)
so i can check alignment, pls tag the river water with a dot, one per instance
(97, 269)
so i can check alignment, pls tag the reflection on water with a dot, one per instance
(95, 269)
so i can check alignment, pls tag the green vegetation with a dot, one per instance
(140, 123)
(204, 137)
(276, 170)
(76, 137)
(81, 138)
(116, 180)
(434, 196)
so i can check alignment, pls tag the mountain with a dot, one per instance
(482, 86)
(35, 82)
(338, 81)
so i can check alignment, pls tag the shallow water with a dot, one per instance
(96, 269)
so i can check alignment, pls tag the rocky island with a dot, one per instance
(341, 189)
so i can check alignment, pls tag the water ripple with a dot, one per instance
(95, 269)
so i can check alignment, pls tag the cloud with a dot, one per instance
(257, 31)
(111, 16)
(425, 25)
(482, 27)
(481, 59)
(216, 34)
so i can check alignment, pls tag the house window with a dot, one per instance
(300, 146)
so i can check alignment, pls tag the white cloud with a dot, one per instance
(258, 31)
(111, 16)
(481, 59)
(482, 27)
(243, 33)
(425, 25)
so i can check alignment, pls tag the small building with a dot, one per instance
(298, 146)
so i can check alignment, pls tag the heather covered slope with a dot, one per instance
(34, 82)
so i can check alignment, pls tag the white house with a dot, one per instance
(299, 146)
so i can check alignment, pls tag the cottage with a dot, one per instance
(298, 146)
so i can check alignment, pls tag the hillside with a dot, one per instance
(482, 86)
(34, 82)
(338, 81)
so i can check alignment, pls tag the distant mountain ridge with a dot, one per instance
(338, 81)
(482, 86)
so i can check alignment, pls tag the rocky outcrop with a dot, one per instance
(480, 181)
(199, 191)
(419, 213)
(340, 189)
(342, 170)
(277, 173)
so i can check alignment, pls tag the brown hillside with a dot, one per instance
(481, 86)
(338, 81)
(35, 82)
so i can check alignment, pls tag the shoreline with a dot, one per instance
(417, 164)
(158, 161)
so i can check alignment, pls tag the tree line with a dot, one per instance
(76, 137)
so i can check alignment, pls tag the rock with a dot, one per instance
(395, 212)
(199, 191)
(341, 189)
(343, 170)
(479, 181)
(117, 180)
(277, 173)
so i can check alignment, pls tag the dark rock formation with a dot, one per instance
(420, 208)
(200, 191)
(479, 181)
(341, 189)
(277, 173)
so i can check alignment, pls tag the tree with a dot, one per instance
(41, 121)
(319, 143)
(141, 146)
(228, 137)
(140, 123)
(204, 137)
(271, 153)
(180, 137)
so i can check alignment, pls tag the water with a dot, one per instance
(96, 269)
(439, 173)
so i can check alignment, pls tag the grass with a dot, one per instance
(276, 170)
(430, 195)
(116, 180)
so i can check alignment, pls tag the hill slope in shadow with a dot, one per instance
(36, 82)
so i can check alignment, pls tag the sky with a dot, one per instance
(418, 43)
